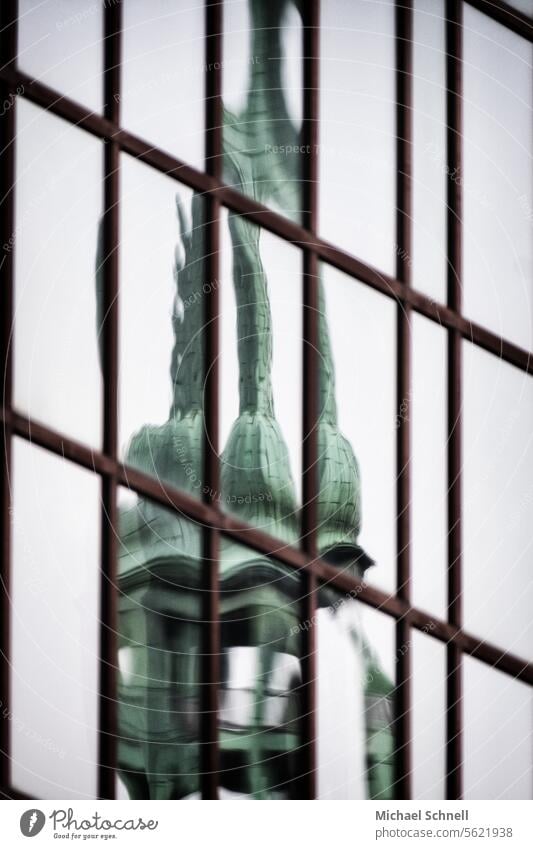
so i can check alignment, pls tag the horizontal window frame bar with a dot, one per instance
(323, 572)
(506, 15)
(174, 168)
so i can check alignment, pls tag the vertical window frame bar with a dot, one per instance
(454, 87)
(8, 45)
(210, 758)
(404, 72)
(108, 655)
(310, 354)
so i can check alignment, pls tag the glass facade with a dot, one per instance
(266, 418)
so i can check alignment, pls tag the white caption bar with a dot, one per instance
(263, 825)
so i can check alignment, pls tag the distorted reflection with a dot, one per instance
(263, 97)
(261, 711)
(159, 577)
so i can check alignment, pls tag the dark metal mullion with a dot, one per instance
(211, 597)
(211, 591)
(454, 251)
(107, 731)
(310, 485)
(12, 793)
(403, 389)
(8, 50)
(310, 482)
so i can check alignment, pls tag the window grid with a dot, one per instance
(113, 473)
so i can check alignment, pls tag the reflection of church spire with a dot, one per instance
(186, 369)
(99, 281)
(255, 473)
(339, 499)
(254, 319)
(160, 564)
(256, 140)
(326, 369)
(173, 451)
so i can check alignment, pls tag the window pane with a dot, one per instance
(261, 378)
(429, 143)
(160, 639)
(163, 75)
(262, 81)
(54, 626)
(427, 410)
(498, 178)
(428, 716)
(260, 699)
(358, 129)
(498, 502)
(162, 301)
(354, 703)
(159, 655)
(380, 680)
(58, 206)
(498, 712)
(60, 44)
(357, 374)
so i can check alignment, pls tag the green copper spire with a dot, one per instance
(339, 500)
(186, 369)
(255, 470)
(379, 715)
(99, 291)
(256, 140)
(254, 322)
(173, 451)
